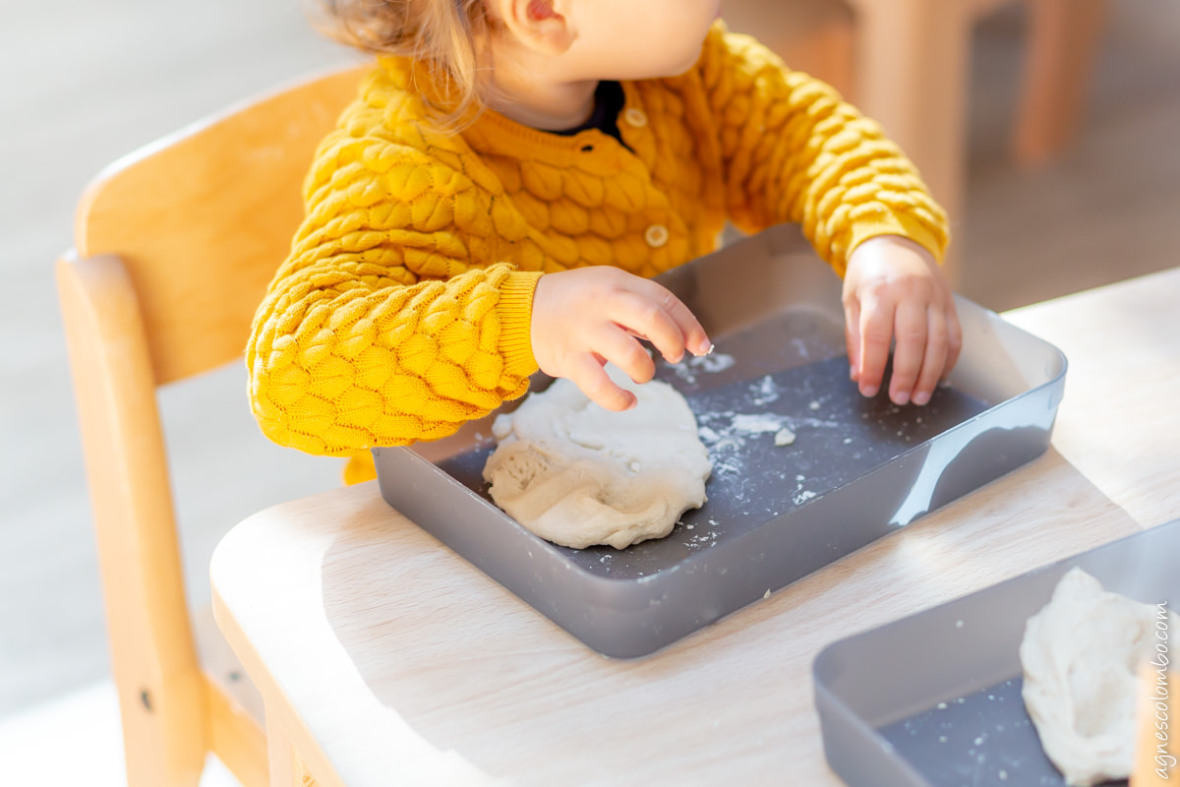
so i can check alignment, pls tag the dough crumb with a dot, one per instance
(784, 436)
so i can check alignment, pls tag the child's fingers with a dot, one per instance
(593, 381)
(852, 336)
(876, 330)
(911, 324)
(937, 344)
(696, 340)
(620, 348)
(646, 318)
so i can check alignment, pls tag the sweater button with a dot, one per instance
(656, 235)
(635, 117)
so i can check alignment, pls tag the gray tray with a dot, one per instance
(858, 470)
(933, 700)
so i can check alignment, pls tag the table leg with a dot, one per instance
(912, 77)
(1063, 43)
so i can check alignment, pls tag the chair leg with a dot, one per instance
(1063, 41)
(162, 746)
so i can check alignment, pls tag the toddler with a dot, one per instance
(512, 174)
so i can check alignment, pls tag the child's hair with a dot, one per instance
(440, 34)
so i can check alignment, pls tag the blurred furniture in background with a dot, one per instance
(1063, 42)
(175, 245)
(814, 36)
(905, 63)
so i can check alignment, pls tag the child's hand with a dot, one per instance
(894, 289)
(585, 317)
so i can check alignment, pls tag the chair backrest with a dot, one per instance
(202, 218)
(174, 247)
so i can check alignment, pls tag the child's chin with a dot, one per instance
(685, 65)
(669, 67)
(682, 65)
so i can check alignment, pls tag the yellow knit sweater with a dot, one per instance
(403, 310)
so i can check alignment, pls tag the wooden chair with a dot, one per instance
(174, 247)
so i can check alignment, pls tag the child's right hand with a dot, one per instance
(584, 317)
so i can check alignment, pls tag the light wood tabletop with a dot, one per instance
(385, 658)
(1119, 423)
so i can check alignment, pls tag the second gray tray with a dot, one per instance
(933, 700)
(858, 470)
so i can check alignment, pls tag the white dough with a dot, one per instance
(1080, 655)
(577, 474)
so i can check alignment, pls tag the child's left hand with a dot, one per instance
(894, 290)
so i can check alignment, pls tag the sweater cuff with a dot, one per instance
(895, 224)
(515, 309)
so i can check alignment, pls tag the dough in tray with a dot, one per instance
(579, 475)
(1081, 654)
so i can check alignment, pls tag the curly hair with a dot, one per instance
(440, 34)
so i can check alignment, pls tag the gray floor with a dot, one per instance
(85, 83)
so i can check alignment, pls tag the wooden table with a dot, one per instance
(384, 658)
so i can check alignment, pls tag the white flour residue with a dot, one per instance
(713, 362)
(758, 423)
(728, 466)
(765, 390)
(709, 364)
(725, 434)
(706, 538)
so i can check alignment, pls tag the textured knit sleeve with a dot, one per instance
(377, 329)
(793, 151)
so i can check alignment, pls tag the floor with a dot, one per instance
(31, 744)
(101, 79)
(1106, 210)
